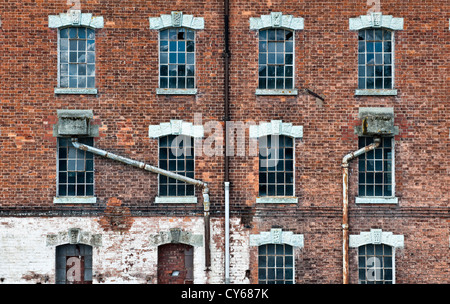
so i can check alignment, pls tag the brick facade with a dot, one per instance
(125, 225)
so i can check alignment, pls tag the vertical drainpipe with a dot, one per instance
(347, 158)
(226, 160)
(206, 219)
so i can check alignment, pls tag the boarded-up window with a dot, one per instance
(74, 264)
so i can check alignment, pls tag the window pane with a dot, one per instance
(90, 33)
(288, 83)
(90, 45)
(388, 70)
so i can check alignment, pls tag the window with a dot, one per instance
(74, 264)
(176, 154)
(376, 52)
(375, 59)
(276, 52)
(76, 51)
(77, 58)
(177, 52)
(276, 59)
(375, 169)
(275, 264)
(177, 58)
(375, 264)
(276, 166)
(75, 169)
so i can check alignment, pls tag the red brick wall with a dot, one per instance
(325, 62)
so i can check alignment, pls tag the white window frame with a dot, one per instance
(377, 20)
(66, 199)
(176, 91)
(390, 91)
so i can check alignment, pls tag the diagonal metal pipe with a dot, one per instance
(147, 167)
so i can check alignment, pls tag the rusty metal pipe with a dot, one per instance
(345, 161)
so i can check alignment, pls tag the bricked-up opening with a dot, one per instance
(175, 264)
(74, 264)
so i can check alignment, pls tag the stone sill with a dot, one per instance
(374, 92)
(376, 200)
(275, 92)
(74, 200)
(175, 200)
(160, 91)
(75, 91)
(277, 200)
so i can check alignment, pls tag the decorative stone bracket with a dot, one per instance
(176, 236)
(277, 236)
(74, 236)
(376, 236)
